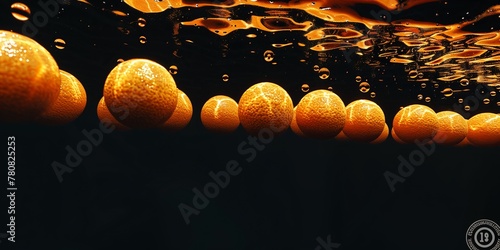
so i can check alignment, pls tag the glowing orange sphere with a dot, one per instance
(265, 105)
(484, 129)
(415, 122)
(145, 89)
(219, 114)
(365, 120)
(321, 114)
(182, 114)
(30, 79)
(452, 128)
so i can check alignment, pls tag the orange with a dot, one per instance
(365, 120)
(321, 114)
(452, 128)
(265, 105)
(219, 114)
(383, 136)
(182, 114)
(293, 124)
(484, 129)
(395, 137)
(145, 89)
(70, 103)
(29, 78)
(106, 117)
(415, 122)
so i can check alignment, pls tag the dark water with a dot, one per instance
(292, 193)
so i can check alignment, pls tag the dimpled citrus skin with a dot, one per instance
(365, 120)
(29, 78)
(415, 122)
(70, 103)
(484, 130)
(182, 114)
(452, 128)
(321, 114)
(105, 116)
(219, 114)
(265, 105)
(145, 88)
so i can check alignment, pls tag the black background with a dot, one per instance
(125, 194)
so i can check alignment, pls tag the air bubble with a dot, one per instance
(464, 82)
(324, 73)
(467, 108)
(358, 78)
(486, 101)
(420, 97)
(427, 99)
(373, 94)
(20, 11)
(305, 87)
(268, 55)
(142, 39)
(225, 77)
(447, 92)
(59, 43)
(141, 22)
(316, 68)
(413, 74)
(173, 69)
(364, 87)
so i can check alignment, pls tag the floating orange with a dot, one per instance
(452, 128)
(70, 103)
(484, 129)
(265, 105)
(30, 78)
(182, 114)
(415, 122)
(365, 120)
(146, 91)
(106, 117)
(219, 114)
(321, 114)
